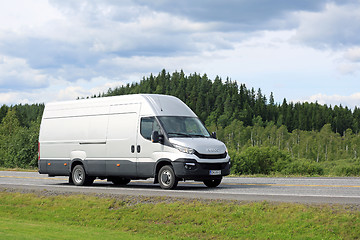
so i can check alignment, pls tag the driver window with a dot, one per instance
(147, 126)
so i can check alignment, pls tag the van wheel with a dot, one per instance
(120, 180)
(79, 176)
(167, 178)
(212, 183)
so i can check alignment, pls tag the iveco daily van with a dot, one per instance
(129, 137)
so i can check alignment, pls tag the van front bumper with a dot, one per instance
(190, 169)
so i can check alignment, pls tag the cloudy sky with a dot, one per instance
(301, 50)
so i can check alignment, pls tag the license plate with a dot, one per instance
(215, 172)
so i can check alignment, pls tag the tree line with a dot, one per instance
(220, 102)
(287, 138)
(19, 134)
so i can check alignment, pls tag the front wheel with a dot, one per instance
(212, 183)
(167, 178)
(79, 176)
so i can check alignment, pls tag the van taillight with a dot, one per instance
(38, 151)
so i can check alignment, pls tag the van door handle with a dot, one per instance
(132, 148)
(138, 148)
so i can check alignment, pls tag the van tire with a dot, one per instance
(212, 183)
(120, 180)
(79, 176)
(167, 178)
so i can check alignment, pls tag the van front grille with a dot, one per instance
(210, 156)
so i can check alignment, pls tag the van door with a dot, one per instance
(147, 152)
(93, 145)
(121, 140)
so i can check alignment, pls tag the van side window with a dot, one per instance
(147, 126)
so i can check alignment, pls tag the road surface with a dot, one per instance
(301, 190)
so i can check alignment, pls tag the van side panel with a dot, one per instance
(56, 144)
(121, 140)
(65, 131)
(95, 145)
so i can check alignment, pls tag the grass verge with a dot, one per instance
(25, 229)
(39, 216)
(19, 169)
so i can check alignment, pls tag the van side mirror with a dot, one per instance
(156, 137)
(213, 135)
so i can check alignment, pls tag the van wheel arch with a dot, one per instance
(160, 163)
(74, 163)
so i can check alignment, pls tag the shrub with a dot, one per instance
(259, 160)
(347, 169)
(343, 167)
(303, 167)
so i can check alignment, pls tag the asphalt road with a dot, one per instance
(301, 190)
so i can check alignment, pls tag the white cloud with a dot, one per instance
(61, 90)
(20, 15)
(234, 15)
(334, 29)
(86, 88)
(16, 74)
(348, 61)
(350, 100)
(348, 68)
(338, 26)
(9, 98)
(71, 93)
(353, 54)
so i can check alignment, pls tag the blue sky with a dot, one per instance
(301, 50)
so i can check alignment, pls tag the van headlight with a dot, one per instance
(184, 149)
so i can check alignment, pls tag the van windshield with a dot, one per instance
(183, 127)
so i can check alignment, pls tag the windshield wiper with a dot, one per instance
(180, 134)
(197, 135)
(187, 135)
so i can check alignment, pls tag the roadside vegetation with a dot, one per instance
(263, 137)
(43, 216)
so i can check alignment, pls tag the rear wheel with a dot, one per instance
(212, 183)
(120, 180)
(167, 178)
(79, 176)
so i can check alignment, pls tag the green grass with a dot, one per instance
(24, 229)
(38, 216)
(19, 169)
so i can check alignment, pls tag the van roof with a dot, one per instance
(151, 104)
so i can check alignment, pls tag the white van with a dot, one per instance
(129, 137)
